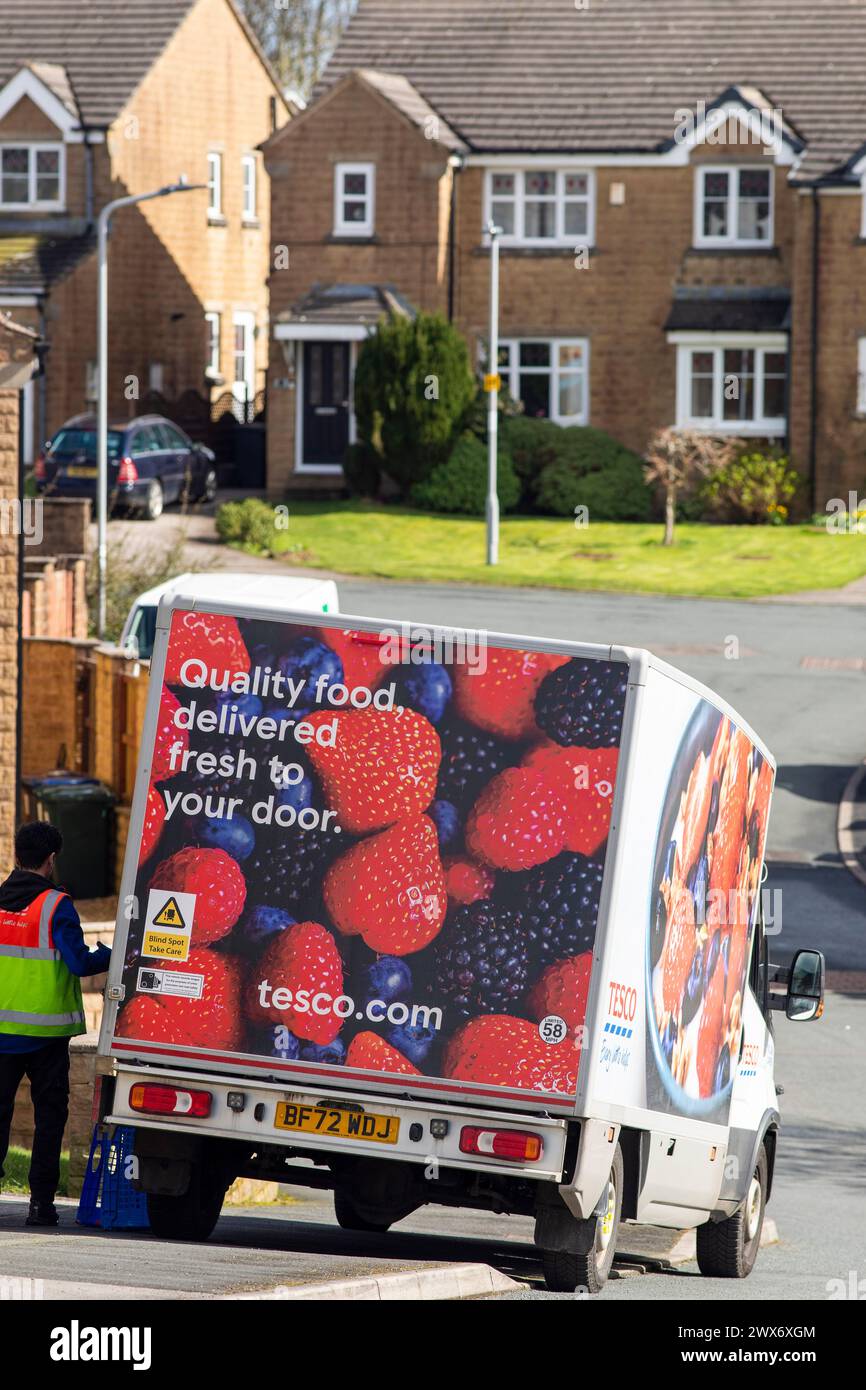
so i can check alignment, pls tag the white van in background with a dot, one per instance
(290, 591)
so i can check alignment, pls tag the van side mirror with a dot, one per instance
(804, 1001)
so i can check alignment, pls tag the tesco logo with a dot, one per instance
(622, 1002)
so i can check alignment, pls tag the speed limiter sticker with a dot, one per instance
(552, 1029)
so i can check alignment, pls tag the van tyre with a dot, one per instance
(350, 1218)
(193, 1215)
(565, 1271)
(728, 1249)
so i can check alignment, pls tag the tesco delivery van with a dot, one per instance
(430, 915)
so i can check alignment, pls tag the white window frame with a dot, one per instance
(512, 371)
(562, 238)
(687, 343)
(354, 229)
(861, 376)
(243, 318)
(32, 204)
(733, 239)
(249, 188)
(214, 186)
(214, 323)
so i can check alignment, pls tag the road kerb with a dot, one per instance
(846, 818)
(448, 1282)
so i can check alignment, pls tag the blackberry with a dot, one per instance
(469, 759)
(482, 960)
(582, 703)
(558, 902)
(286, 871)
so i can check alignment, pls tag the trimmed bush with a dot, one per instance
(593, 470)
(755, 488)
(413, 387)
(251, 524)
(459, 485)
(533, 444)
(362, 471)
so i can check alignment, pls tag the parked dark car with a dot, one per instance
(151, 462)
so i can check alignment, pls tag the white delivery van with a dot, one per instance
(435, 916)
(139, 629)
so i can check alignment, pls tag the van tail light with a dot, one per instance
(516, 1144)
(127, 472)
(39, 469)
(169, 1100)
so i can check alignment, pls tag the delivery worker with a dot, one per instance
(42, 956)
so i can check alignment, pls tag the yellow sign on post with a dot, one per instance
(493, 382)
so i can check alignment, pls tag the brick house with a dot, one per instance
(103, 100)
(681, 197)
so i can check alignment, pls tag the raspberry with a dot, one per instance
(481, 961)
(563, 989)
(211, 638)
(213, 1021)
(382, 767)
(518, 821)
(559, 904)
(154, 820)
(505, 1051)
(390, 888)
(469, 759)
(586, 778)
(302, 958)
(582, 703)
(369, 1052)
(167, 734)
(500, 698)
(218, 884)
(467, 881)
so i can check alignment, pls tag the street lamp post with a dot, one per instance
(102, 225)
(492, 386)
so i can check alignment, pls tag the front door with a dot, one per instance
(326, 402)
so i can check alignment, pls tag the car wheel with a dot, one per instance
(208, 487)
(153, 502)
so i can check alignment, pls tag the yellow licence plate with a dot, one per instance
(79, 471)
(343, 1124)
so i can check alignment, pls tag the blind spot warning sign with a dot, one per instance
(168, 927)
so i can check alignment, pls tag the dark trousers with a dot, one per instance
(48, 1070)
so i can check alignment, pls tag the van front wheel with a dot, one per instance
(728, 1249)
(564, 1270)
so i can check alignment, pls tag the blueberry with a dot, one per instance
(754, 836)
(668, 1039)
(262, 654)
(447, 822)
(712, 955)
(279, 1042)
(698, 883)
(670, 854)
(236, 835)
(388, 978)
(413, 1042)
(263, 922)
(659, 925)
(309, 661)
(299, 795)
(334, 1053)
(694, 987)
(723, 1069)
(427, 689)
(714, 808)
(249, 705)
(726, 952)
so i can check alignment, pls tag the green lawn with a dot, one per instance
(16, 1166)
(721, 561)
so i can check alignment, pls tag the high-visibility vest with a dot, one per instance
(39, 995)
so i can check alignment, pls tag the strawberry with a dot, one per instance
(518, 821)
(303, 960)
(563, 990)
(362, 656)
(501, 698)
(212, 638)
(679, 947)
(586, 778)
(506, 1051)
(369, 1052)
(212, 1021)
(466, 881)
(696, 809)
(154, 820)
(218, 883)
(728, 834)
(390, 888)
(710, 1029)
(383, 766)
(166, 736)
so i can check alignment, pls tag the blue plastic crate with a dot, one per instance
(108, 1198)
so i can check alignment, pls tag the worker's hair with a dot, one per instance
(35, 841)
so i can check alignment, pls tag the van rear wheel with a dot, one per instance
(589, 1267)
(350, 1218)
(194, 1214)
(728, 1249)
